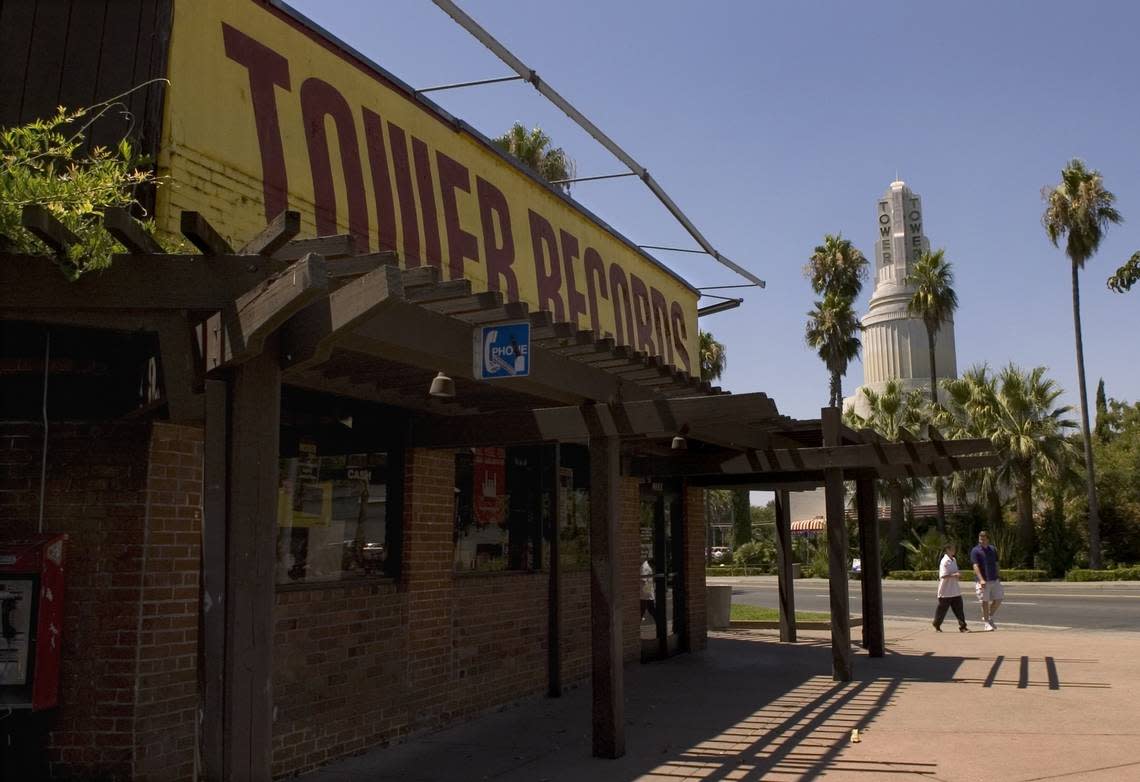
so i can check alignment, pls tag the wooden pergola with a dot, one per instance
(233, 326)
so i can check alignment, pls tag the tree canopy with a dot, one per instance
(533, 148)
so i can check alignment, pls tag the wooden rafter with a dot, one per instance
(238, 333)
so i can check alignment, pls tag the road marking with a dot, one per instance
(1011, 603)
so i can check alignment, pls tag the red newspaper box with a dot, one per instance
(31, 620)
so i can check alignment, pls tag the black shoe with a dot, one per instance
(936, 627)
(963, 629)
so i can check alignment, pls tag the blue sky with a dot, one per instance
(773, 124)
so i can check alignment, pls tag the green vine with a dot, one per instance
(43, 163)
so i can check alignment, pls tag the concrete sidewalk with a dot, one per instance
(1014, 705)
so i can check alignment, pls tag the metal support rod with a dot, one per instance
(468, 84)
(590, 178)
(721, 306)
(725, 287)
(673, 250)
(517, 65)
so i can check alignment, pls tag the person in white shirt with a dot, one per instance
(949, 591)
(648, 602)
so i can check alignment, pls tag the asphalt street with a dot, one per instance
(1060, 605)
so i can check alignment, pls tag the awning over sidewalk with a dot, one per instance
(809, 527)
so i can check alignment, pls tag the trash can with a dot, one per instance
(719, 606)
(797, 571)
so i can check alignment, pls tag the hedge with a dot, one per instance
(1120, 574)
(734, 570)
(932, 575)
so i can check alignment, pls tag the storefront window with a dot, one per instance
(502, 502)
(574, 507)
(331, 516)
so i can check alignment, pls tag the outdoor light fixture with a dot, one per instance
(680, 443)
(442, 386)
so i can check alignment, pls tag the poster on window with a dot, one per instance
(15, 626)
(490, 473)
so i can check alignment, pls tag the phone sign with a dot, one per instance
(502, 350)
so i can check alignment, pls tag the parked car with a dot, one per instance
(721, 555)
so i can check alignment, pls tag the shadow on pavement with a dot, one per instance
(748, 708)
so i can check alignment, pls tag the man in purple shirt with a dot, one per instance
(987, 579)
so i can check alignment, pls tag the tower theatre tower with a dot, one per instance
(894, 342)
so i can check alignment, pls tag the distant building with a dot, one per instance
(894, 342)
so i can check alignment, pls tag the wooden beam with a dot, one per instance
(308, 337)
(274, 236)
(605, 600)
(871, 566)
(202, 235)
(133, 282)
(359, 264)
(44, 226)
(212, 584)
(474, 303)
(841, 662)
(784, 568)
(180, 373)
(129, 233)
(251, 554)
(238, 332)
(932, 466)
(658, 418)
(884, 459)
(554, 599)
(442, 291)
(504, 313)
(338, 246)
(412, 335)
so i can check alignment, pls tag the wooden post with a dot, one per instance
(554, 608)
(784, 567)
(212, 614)
(837, 555)
(605, 608)
(873, 637)
(251, 479)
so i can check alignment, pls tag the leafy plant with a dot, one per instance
(43, 163)
(756, 554)
(925, 550)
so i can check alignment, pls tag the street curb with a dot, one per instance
(774, 624)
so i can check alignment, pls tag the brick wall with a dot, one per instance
(499, 632)
(339, 672)
(356, 666)
(128, 497)
(574, 625)
(166, 694)
(629, 542)
(696, 618)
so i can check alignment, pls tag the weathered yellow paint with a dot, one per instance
(213, 160)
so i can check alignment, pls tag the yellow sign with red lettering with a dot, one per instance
(265, 113)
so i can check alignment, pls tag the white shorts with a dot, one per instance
(990, 592)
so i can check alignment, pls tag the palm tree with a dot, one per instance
(1017, 411)
(1028, 432)
(934, 301)
(1127, 275)
(963, 416)
(837, 267)
(1080, 209)
(831, 331)
(532, 148)
(713, 357)
(893, 414)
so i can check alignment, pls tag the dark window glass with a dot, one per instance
(502, 502)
